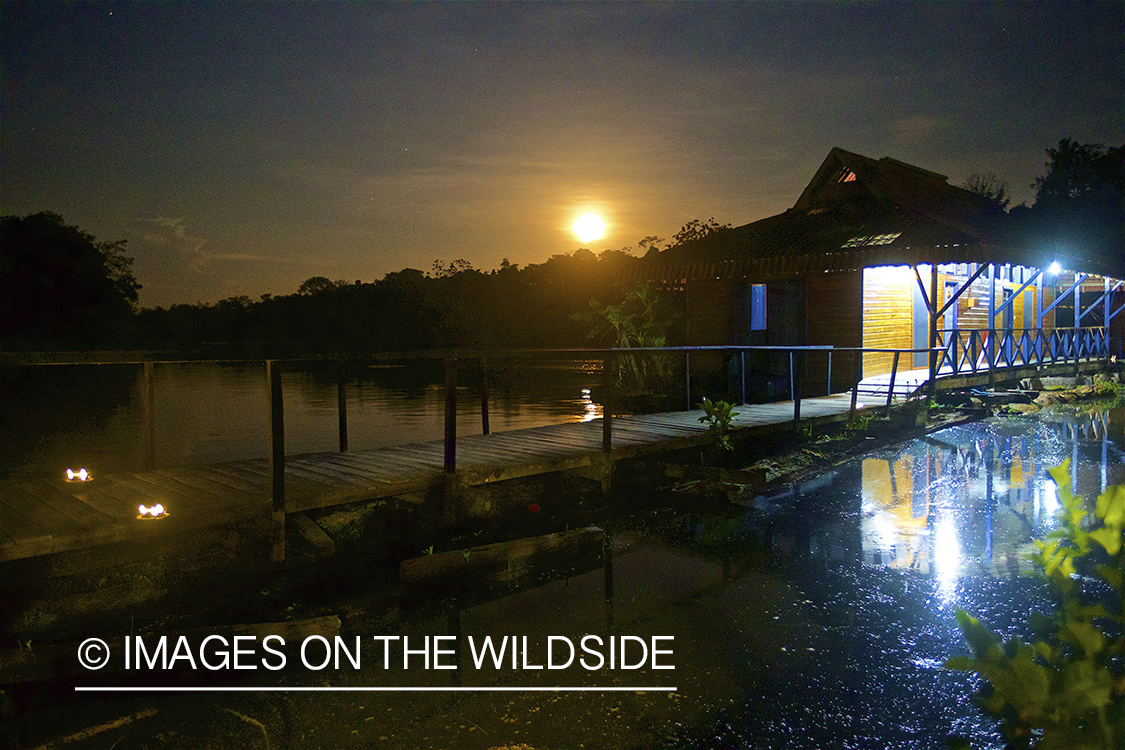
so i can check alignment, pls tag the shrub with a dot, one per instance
(1066, 688)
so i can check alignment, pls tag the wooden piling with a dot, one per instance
(148, 433)
(342, 407)
(277, 457)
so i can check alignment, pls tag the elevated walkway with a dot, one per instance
(49, 515)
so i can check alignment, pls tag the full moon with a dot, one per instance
(589, 227)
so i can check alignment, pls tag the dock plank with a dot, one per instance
(98, 494)
(78, 511)
(22, 524)
(48, 515)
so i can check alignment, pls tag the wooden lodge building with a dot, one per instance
(856, 262)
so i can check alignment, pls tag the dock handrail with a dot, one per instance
(275, 365)
(1095, 344)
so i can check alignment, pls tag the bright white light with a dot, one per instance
(1050, 499)
(155, 511)
(77, 476)
(589, 227)
(1055, 268)
(947, 558)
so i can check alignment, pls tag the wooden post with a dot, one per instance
(891, 386)
(607, 558)
(1077, 327)
(342, 407)
(742, 354)
(990, 344)
(829, 391)
(1106, 315)
(1038, 310)
(687, 377)
(277, 457)
(933, 328)
(484, 397)
(858, 376)
(450, 415)
(794, 389)
(608, 403)
(148, 433)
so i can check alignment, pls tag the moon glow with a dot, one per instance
(589, 227)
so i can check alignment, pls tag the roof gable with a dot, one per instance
(846, 175)
(862, 210)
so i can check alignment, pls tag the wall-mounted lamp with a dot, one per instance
(1054, 268)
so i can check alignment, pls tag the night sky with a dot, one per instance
(242, 148)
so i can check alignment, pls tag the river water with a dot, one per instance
(60, 416)
(816, 616)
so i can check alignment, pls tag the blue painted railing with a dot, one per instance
(975, 350)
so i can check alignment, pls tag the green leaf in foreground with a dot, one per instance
(1066, 689)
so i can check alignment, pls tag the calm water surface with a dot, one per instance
(817, 616)
(92, 416)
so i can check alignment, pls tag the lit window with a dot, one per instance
(757, 307)
(846, 176)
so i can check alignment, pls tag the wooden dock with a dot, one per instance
(49, 515)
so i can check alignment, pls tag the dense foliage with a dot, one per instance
(1079, 204)
(1066, 687)
(453, 306)
(59, 285)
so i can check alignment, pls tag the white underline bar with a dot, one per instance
(322, 689)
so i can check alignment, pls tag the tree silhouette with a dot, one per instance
(988, 185)
(316, 285)
(1080, 204)
(60, 287)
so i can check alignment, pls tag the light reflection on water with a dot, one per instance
(969, 500)
(819, 617)
(883, 549)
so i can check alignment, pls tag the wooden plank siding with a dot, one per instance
(972, 305)
(888, 308)
(834, 315)
(710, 314)
(888, 299)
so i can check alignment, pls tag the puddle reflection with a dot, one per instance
(970, 499)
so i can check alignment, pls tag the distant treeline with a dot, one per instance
(452, 306)
(60, 288)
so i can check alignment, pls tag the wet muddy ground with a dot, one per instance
(812, 613)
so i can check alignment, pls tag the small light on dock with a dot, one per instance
(78, 476)
(859, 404)
(156, 511)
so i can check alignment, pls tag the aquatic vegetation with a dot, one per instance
(1066, 688)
